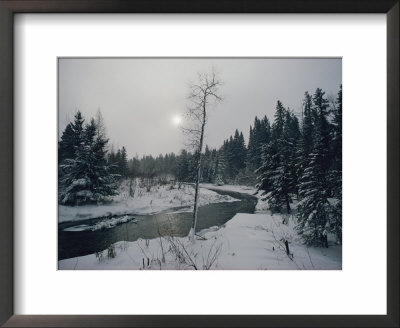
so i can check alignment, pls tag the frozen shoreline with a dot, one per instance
(159, 198)
(247, 241)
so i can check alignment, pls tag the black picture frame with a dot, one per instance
(10, 7)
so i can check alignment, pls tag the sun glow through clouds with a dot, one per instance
(176, 120)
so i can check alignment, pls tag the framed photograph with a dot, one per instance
(167, 165)
(164, 207)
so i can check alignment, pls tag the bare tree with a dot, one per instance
(202, 95)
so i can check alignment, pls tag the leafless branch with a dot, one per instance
(212, 255)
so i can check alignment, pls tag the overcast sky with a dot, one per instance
(142, 99)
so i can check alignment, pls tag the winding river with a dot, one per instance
(175, 222)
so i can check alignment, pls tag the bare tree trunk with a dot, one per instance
(287, 247)
(201, 93)
(196, 193)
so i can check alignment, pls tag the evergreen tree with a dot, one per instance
(66, 146)
(259, 136)
(335, 174)
(291, 136)
(183, 166)
(306, 143)
(251, 148)
(337, 132)
(220, 167)
(308, 126)
(112, 161)
(205, 168)
(77, 128)
(134, 167)
(238, 151)
(123, 163)
(322, 126)
(314, 208)
(87, 178)
(276, 178)
(71, 138)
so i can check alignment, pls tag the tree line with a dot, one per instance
(304, 163)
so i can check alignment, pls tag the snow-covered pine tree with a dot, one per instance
(291, 137)
(337, 132)
(254, 146)
(228, 148)
(66, 146)
(207, 167)
(322, 125)
(251, 146)
(313, 208)
(263, 136)
(238, 153)
(117, 163)
(134, 167)
(123, 164)
(269, 157)
(87, 178)
(313, 216)
(275, 172)
(235, 153)
(259, 136)
(284, 178)
(220, 167)
(183, 166)
(306, 143)
(71, 138)
(77, 128)
(335, 174)
(242, 149)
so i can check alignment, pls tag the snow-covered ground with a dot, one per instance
(247, 241)
(158, 199)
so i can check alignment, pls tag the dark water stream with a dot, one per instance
(170, 222)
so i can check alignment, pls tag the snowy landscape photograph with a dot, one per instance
(199, 164)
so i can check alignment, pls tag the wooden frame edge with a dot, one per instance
(7, 10)
(393, 167)
(6, 164)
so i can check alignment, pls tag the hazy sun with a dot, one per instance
(176, 120)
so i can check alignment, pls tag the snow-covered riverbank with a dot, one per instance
(157, 199)
(247, 241)
(261, 207)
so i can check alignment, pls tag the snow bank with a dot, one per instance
(261, 206)
(235, 188)
(104, 224)
(247, 241)
(158, 199)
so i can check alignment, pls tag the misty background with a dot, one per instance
(141, 99)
